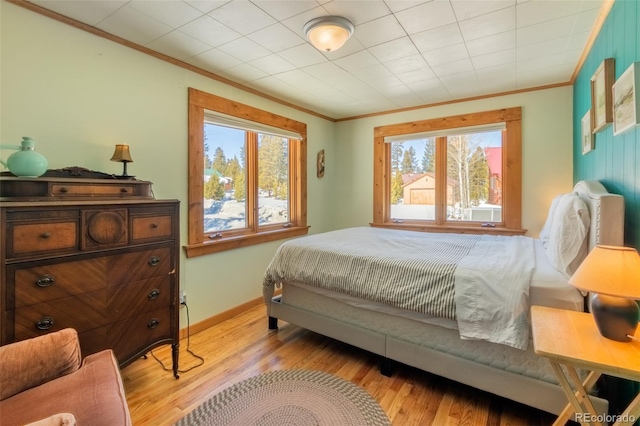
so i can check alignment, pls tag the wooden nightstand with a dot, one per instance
(571, 339)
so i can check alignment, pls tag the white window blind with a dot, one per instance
(251, 126)
(493, 127)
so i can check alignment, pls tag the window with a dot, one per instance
(457, 174)
(247, 175)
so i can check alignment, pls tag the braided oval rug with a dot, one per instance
(289, 397)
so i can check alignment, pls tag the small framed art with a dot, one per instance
(320, 164)
(601, 104)
(587, 135)
(626, 102)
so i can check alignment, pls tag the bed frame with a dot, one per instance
(607, 221)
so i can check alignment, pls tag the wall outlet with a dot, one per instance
(183, 298)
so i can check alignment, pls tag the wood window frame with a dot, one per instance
(511, 173)
(200, 243)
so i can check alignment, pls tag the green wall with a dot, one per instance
(615, 160)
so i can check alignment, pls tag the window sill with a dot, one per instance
(451, 229)
(229, 243)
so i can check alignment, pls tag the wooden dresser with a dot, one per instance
(97, 255)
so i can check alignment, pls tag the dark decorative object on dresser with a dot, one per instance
(85, 250)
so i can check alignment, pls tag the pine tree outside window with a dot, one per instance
(454, 174)
(247, 182)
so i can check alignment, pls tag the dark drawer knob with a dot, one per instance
(153, 226)
(123, 190)
(153, 323)
(155, 293)
(45, 323)
(154, 261)
(64, 190)
(45, 235)
(45, 280)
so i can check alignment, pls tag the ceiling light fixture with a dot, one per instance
(328, 33)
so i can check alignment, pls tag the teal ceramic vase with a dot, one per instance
(25, 162)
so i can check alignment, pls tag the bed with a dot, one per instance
(444, 330)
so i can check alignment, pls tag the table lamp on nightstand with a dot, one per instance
(612, 273)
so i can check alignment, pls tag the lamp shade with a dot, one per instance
(328, 33)
(610, 270)
(122, 154)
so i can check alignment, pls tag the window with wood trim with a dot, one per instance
(453, 174)
(247, 175)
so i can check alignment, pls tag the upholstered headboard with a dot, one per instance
(607, 213)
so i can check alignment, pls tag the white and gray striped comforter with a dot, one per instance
(482, 281)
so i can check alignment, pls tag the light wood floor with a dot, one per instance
(243, 347)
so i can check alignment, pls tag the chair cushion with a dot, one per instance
(94, 394)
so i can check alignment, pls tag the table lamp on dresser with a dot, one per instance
(612, 274)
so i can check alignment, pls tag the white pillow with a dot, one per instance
(546, 229)
(566, 248)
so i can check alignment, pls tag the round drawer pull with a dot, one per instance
(153, 323)
(153, 226)
(154, 261)
(45, 280)
(123, 190)
(155, 293)
(45, 323)
(64, 190)
(45, 235)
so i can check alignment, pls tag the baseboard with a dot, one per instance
(222, 316)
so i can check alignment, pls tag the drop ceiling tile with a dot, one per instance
(537, 12)
(372, 73)
(591, 4)
(362, 59)
(244, 49)
(272, 64)
(206, 6)
(452, 68)
(349, 48)
(210, 31)
(540, 62)
(242, 16)
(296, 23)
(585, 20)
(178, 45)
(493, 43)
(496, 58)
(446, 54)
(538, 77)
(90, 13)
(276, 37)
(214, 60)
(407, 64)
(545, 31)
(398, 5)
(465, 9)
(172, 13)
(134, 26)
(395, 49)
(497, 72)
(544, 48)
(283, 9)
(490, 24)
(426, 16)
(437, 38)
(500, 85)
(303, 55)
(358, 12)
(379, 31)
(416, 75)
(244, 73)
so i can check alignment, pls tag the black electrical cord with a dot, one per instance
(188, 348)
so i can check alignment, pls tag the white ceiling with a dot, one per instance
(402, 54)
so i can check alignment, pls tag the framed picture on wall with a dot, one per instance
(601, 104)
(587, 135)
(626, 102)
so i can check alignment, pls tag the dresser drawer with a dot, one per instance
(50, 282)
(139, 265)
(27, 238)
(130, 337)
(80, 312)
(151, 228)
(74, 189)
(138, 297)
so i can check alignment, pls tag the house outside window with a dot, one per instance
(247, 180)
(450, 174)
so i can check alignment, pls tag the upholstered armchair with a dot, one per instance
(45, 382)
